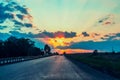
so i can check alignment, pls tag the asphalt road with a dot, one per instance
(50, 68)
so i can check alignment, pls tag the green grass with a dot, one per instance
(108, 63)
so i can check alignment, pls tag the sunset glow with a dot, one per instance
(58, 42)
(66, 25)
(70, 51)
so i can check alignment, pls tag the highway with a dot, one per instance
(50, 68)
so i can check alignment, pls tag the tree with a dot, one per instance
(47, 49)
(25, 45)
(16, 47)
(10, 47)
(34, 51)
(95, 52)
(64, 53)
(42, 52)
(1, 49)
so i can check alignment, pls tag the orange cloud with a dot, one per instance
(59, 34)
(58, 41)
(28, 17)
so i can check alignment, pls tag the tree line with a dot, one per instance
(17, 47)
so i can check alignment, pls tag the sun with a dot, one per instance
(58, 42)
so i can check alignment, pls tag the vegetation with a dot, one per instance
(47, 49)
(14, 47)
(107, 63)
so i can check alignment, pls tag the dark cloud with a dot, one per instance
(85, 34)
(118, 34)
(64, 34)
(103, 38)
(14, 12)
(106, 35)
(96, 34)
(2, 27)
(3, 14)
(110, 40)
(70, 35)
(106, 20)
(91, 45)
(20, 16)
(57, 34)
(45, 34)
(103, 19)
(28, 24)
(18, 23)
(21, 9)
(110, 37)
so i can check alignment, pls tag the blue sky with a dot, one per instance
(70, 14)
(52, 21)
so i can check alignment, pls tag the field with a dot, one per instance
(107, 63)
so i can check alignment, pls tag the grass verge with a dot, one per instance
(107, 63)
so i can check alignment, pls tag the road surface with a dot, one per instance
(50, 68)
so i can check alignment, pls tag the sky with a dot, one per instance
(66, 25)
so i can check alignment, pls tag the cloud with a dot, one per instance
(89, 35)
(105, 44)
(106, 20)
(85, 34)
(110, 37)
(21, 9)
(28, 24)
(2, 27)
(11, 11)
(91, 45)
(46, 34)
(64, 34)
(20, 16)
(18, 23)
(3, 14)
(58, 34)
(96, 34)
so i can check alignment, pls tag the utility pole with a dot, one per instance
(113, 50)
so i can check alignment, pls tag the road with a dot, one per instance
(50, 68)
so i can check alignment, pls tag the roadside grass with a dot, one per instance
(107, 63)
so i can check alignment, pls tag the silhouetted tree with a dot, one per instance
(56, 53)
(95, 52)
(14, 47)
(113, 51)
(42, 52)
(47, 49)
(64, 53)
(25, 45)
(1, 49)
(34, 51)
(10, 46)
